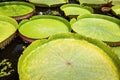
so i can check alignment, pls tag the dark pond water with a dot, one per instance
(12, 53)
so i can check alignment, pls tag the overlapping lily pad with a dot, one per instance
(39, 27)
(17, 9)
(101, 27)
(8, 27)
(68, 57)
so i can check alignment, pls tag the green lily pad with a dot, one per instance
(14, 8)
(116, 9)
(39, 27)
(75, 9)
(96, 26)
(68, 57)
(8, 26)
(115, 2)
(117, 50)
(94, 1)
(48, 3)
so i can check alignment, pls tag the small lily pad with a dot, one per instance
(116, 9)
(39, 27)
(48, 3)
(8, 27)
(16, 9)
(68, 57)
(76, 9)
(96, 26)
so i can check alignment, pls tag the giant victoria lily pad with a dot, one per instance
(99, 2)
(117, 50)
(80, 58)
(95, 3)
(8, 27)
(39, 27)
(115, 2)
(116, 10)
(48, 3)
(75, 9)
(101, 27)
(17, 10)
(68, 57)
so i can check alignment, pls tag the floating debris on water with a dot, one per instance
(5, 68)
